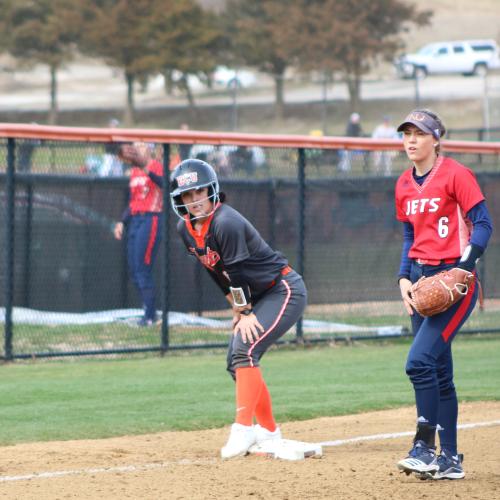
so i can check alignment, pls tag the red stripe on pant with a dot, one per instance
(459, 315)
(152, 239)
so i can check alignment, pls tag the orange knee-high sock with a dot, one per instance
(264, 409)
(248, 387)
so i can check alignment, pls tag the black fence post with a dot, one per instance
(165, 334)
(198, 273)
(271, 200)
(301, 216)
(27, 245)
(10, 193)
(124, 260)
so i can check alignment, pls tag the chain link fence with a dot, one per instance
(65, 286)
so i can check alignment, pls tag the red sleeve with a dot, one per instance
(155, 167)
(466, 189)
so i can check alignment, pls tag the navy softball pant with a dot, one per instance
(143, 239)
(430, 363)
(277, 311)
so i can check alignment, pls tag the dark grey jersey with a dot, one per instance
(227, 238)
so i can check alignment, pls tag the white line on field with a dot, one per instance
(377, 437)
(122, 468)
(210, 461)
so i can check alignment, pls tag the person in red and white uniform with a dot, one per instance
(142, 221)
(446, 224)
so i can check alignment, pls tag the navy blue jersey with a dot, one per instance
(227, 238)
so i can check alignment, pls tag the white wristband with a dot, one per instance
(466, 253)
(239, 299)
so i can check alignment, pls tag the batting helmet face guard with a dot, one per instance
(188, 175)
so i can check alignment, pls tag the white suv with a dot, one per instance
(469, 57)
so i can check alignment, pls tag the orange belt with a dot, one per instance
(286, 270)
(435, 262)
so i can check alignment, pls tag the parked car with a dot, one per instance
(230, 78)
(468, 57)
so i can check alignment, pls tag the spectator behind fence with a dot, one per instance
(353, 129)
(382, 160)
(218, 156)
(142, 221)
(111, 165)
(25, 150)
(248, 159)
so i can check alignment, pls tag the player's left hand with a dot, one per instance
(249, 328)
(118, 230)
(405, 287)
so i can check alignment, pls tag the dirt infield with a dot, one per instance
(186, 465)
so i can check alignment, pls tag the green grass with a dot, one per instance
(102, 398)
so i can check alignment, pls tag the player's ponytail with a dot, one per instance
(222, 196)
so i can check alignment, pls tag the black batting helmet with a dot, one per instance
(192, 174)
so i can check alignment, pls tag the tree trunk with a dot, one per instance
(184, 86)
(128, 116)
(327, 80)
(168, 83)
(354, 86)
(279, 104)
(53, 96)
(189, 94)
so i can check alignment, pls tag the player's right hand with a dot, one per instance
(118, 230)
(405, 286)
(248, 327)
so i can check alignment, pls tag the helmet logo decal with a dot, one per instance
(187, 179)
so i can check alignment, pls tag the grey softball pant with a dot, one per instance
(277, 310)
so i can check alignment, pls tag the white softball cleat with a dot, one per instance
(262, 434)
(420, 459)
(241, 438)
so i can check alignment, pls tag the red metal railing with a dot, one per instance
(88, 134)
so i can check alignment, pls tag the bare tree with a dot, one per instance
(349, 36)
(121, 32)
(258, 38)
(188, 41)
(41, 32)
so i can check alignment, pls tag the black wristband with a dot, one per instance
(246, 312)
(470, 256)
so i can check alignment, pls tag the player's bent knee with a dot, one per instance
(420, 372)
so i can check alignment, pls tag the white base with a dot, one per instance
(287, 449)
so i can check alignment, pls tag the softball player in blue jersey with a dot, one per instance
(446, 224)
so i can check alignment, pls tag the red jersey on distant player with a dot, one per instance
(145, 195)
(437, 209)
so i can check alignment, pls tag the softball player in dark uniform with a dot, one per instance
(266, 295)
(446, 225)
(142, 221)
